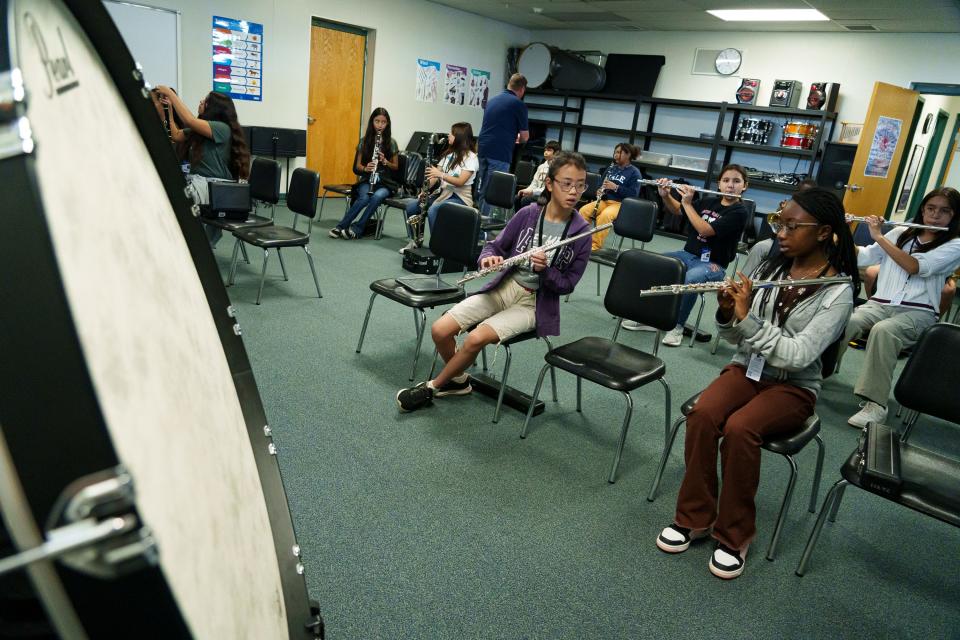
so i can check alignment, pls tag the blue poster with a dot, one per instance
(238, 58)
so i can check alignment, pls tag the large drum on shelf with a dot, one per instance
(125, 389)
(546, 66)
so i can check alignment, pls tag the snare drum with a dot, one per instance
(795, 141)
(800, 129)
(122, 359)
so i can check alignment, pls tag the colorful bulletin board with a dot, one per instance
(238, 58)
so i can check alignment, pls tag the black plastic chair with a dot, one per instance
(501, 189)
(301, 200)
(453, 238)
(590, 194)
(931, 480)
(524, 171)
(412, 171)
(613, 365)
(637, 220)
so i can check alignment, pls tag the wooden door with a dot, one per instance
(887, 132)
(335, 103)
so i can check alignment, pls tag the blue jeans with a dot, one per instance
(365, 201)
(487, 166)
(697, 272)
(414, 208)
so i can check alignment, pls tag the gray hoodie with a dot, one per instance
(792, 351)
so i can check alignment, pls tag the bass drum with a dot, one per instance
(123, 371)
(541, 64)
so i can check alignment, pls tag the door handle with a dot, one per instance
(851, 187)
(311, 119)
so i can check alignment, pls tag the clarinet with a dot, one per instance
(596, 203)
(374, 176)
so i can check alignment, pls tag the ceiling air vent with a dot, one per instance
(860, 27)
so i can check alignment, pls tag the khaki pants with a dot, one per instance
(606, 212)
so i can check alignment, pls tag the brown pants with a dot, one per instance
(741, 412)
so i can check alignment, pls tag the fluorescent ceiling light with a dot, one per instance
(768, 15)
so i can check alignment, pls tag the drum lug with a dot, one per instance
(267, 431)
(231, 311)
(16, 134)
(272, 449)
(236, 330)
(296, 551)
(315, 621)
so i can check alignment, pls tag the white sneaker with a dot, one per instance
(674, 338)
(869, 412)
(410, 245)
(630, 325)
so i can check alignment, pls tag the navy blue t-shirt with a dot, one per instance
(628, 179)
(504, 117)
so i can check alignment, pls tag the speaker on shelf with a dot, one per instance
(823, 96)
(835, 166)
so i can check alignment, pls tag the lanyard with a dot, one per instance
(566, 229)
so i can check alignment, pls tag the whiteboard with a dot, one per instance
(153, 37)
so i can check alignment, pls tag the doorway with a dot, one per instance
(338, 54)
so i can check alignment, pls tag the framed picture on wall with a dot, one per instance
(913, 168)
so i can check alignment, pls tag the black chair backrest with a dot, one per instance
(454, 234)
(265, 180)
(638, 269)
(930, 378)
(524, 172)
(411, 170)
(501, 189)
(593, 183)
(636, 220)
(302, 194)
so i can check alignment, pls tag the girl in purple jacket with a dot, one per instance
(521, 298)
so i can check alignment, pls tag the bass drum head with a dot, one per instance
(535, 64)
(157, 375)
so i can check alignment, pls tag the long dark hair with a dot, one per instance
(560, 160)
(826, 209)
(370, 137)
(219, 107)
(462, 142)
(953, 229)
(632, 151)
(739, 169)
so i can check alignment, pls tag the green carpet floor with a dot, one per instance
(441, 524)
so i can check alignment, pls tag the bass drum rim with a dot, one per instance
(540, 67)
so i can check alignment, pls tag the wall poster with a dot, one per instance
(883, 147)
(238, 58)
(456, 84)
(428, 80)
(479, 88)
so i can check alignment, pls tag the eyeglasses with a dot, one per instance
(777, 225)
(574, 187)
(934, 210)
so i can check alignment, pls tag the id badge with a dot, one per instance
(755, 368)
(705, 255)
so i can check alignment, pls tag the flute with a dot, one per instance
(701, 287)
(700, 189)
(911, 225)
(520, 257)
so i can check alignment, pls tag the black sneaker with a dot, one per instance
(336, 232)
(676, 539)
(727, 563)
(454, 388)
(414, 398)
(349, 234)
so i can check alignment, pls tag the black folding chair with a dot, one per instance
(524, 171)
(501, 189)
(613, 365)
(930, 479)
(637, 220)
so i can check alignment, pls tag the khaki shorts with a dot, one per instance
(509, 310)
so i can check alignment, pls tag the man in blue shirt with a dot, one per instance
(504, 125)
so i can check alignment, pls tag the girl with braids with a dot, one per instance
(913, 266)
(212, 141)
(376, 182)
(771, 385)
(455, 174)
(521, 298)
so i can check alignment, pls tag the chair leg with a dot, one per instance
(366, 320)
(623, 439)
(243, 250)
(836, 502)
(832, 499)
(696, 327)
(503, 384)
(323, 199)
(263, 273)
(598, 278)
(666, 406)
(283, 267)
(784, 508)
(533, 401)
(233, 261)
(433, 365)
(815, 490)
(667, 447)
(313, 270)
(416, 355)
(716, 343)
(483, 359)
(553, 372)
(579, 384)
(416, 320)
(381, 218)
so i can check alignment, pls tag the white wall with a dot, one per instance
(405, 30)
(855, 60)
